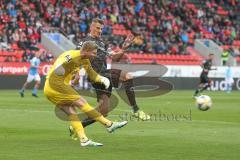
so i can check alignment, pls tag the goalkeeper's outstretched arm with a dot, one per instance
(96, 77)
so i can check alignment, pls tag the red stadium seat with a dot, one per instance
(2, 59)
(225, 47)
(7, 53)
(222, 12)
(166, 59)
(238, 59)
(236, 43)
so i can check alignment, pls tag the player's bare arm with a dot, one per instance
(116, 56)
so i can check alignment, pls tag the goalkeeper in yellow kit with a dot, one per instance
(58, 90)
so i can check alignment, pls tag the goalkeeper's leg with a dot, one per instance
(77, 126)
(103, 108)
(92, 113)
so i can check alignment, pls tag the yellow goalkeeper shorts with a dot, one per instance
(59, 93)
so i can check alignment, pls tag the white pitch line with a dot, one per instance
(25, 110)
(114, 115)
(38, 111)
(204, 121)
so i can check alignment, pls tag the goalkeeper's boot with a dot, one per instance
(73, 134)
(90, 143)
(116, 125)
(141, 115)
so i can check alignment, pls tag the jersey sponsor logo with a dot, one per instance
(68, 58)
(80, 44)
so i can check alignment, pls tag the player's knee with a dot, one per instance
(76, 77)
(103, 110)
(80, 102)
(103, 105)
(209, 81)
(37, 83)
(128, 76)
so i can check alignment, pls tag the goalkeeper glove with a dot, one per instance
(105, 81)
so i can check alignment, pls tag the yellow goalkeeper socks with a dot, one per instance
(77, 125)
(92, 113)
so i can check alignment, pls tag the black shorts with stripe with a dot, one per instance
(113, 75)
(204, 78)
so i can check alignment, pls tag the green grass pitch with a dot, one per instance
(30, 130)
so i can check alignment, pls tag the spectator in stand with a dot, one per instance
(160, 47)
(156, 18)
(173, 50)
(3, 40)
(225, 57)
(49, 57)
(184, 38)
(148, 48)
(235, 51)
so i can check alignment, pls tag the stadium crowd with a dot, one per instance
(20, 29)
(165, 27)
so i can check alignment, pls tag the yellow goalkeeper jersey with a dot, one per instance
(57, 88)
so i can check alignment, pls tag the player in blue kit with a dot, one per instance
(33, 75)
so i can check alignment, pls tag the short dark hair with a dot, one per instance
(89, 46)
(211, 54)
(98, 20)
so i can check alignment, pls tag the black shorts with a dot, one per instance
(113, 75)
(204, 78)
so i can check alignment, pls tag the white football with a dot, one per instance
(203, 102)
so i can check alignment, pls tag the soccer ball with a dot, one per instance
(203, 102)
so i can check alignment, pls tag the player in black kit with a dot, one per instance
(205, 82)
(115, 76)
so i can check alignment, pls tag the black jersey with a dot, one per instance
(98, 63)
(207, 64)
